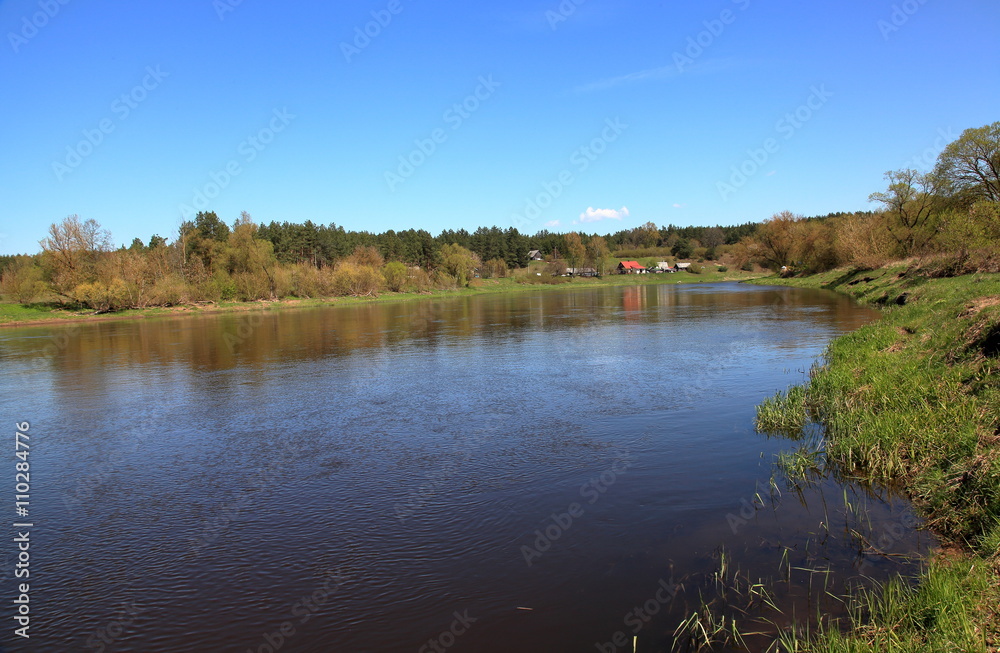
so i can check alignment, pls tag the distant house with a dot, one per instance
(535, 255)
(662, 266)
(682, 266)
(630, 267)
(581, 272)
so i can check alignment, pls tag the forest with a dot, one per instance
(950, 214)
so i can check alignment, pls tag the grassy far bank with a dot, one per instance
(14, 314)
(914, 398)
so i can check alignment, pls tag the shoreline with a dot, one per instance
(914, 398)
(56, 315)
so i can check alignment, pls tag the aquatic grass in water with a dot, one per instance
(783, 414)
(802, 464)
(943, 613)
(914, 399)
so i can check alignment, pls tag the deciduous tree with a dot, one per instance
(910, 204)
(970, 165)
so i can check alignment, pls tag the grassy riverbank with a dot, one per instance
(914, 398)
(13, 314)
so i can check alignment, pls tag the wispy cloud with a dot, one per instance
(709, 66)
(596, 215)
(679, 206)
(552, 223)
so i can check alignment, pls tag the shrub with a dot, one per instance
(22, 280)
(357, 280)
(169, 290)
(308, 281)
(418, 280)
(723, 268)
(103, 298)
(251, 286)
(495, 268)
(395, 274)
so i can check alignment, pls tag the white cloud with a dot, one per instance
(596, 215)
(552, 223)
(679, 206)
(708, 66)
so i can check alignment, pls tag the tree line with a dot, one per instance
(950, 215)
(211, 261)
(952, 212)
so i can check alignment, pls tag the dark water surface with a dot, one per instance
(379, 477)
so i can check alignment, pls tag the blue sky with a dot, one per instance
(591, 115)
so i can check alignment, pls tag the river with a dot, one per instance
(539, 471)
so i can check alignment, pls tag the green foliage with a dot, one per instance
(970, 165)
(494, 269)
(22, 280)
(783, 414)
(682, 248)
(459, 263)
(395, 274)
(351, 279)
(952, 608)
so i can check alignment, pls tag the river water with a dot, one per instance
(540, 471)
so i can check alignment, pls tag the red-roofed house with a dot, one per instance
(630, 267)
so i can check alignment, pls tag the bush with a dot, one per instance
(357, 280)
(495, 268)
(696, 269)
(417, 280)
(747, 267)
(169, 290)
(22, 280)
(308, 281)
(103, 298)
(251, 286)
(223, 287)
(723, 268)
(396, 275)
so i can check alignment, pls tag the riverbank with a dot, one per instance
(13, 315)
(914, 399)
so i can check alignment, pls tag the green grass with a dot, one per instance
(783, 414)
(914, 400)
(953, 608)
